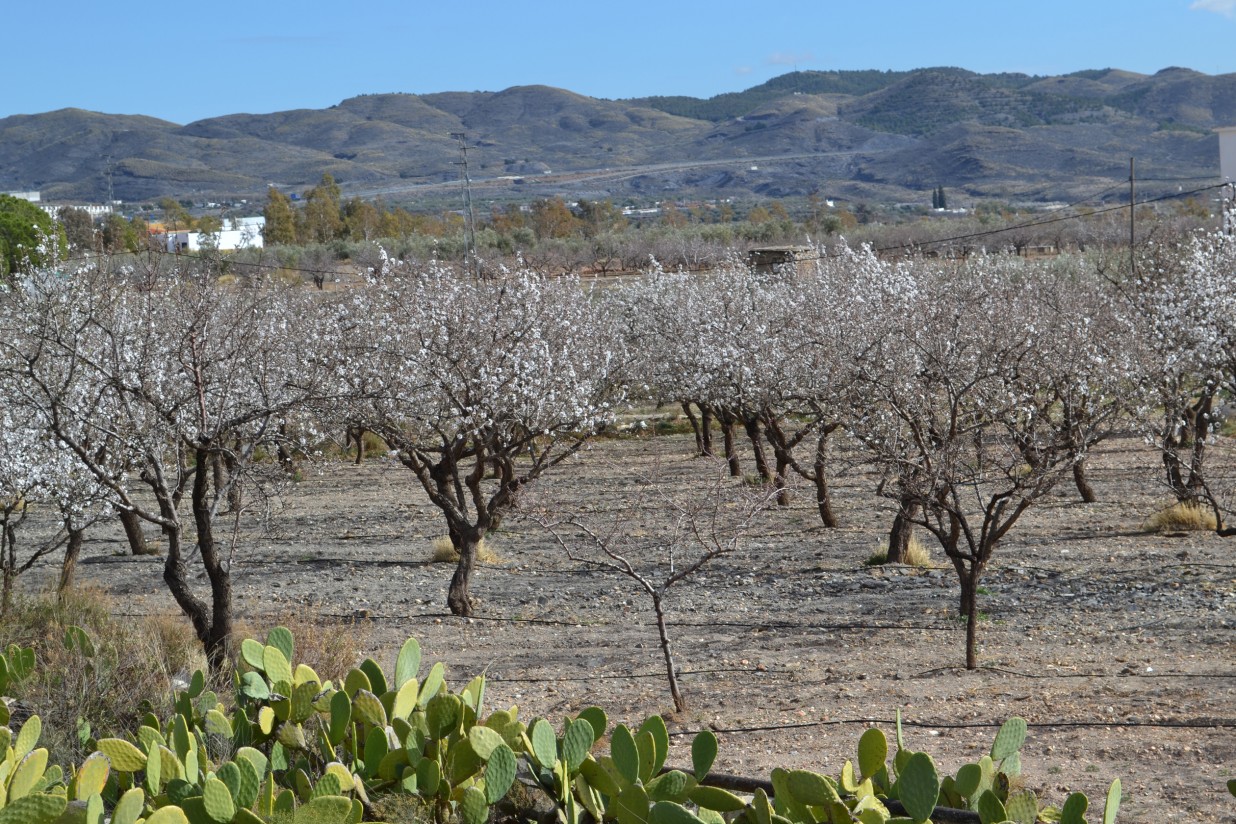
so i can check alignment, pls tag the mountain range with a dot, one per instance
(852, 135)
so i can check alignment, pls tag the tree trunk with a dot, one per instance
(731, 448)
(8, 559)
(903, 529)
(1083, 483)
(457, 597)
(671, 674)
(755, 434)
(970, 592)
(133, 532)
(706, 428)
(357, 435)
(72, 551)
(695, 428)
(823, 496)
(969, 610)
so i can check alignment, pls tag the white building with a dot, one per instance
(237, 233)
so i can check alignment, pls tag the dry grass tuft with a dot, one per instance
(1182, 517)
(444, 552)
(331, 648)
(917, 554)
(103, 691)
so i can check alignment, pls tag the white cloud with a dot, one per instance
(795, 58)
(742, 70)
(1227, 8)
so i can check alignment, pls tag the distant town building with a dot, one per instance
(237, 233)
(33, 197)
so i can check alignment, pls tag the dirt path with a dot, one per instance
(1116, 645)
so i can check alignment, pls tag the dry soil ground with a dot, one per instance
(1115, 644)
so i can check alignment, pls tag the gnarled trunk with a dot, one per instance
(467, 541)
(72, 551)
(901, 532)
(132, 524)
(1083, 483)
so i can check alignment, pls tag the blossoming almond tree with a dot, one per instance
(950, 406)
(480, 387)
(172, 381)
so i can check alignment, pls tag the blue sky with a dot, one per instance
(187, 61)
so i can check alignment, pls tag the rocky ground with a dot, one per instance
(1114, 643)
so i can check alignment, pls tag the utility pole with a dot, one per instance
(1132, 236)
(470, 261)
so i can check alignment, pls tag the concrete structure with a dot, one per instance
(767, 258)
(1227, 153)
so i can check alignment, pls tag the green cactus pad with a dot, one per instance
(918, 786)
(33, 809)
(168, 815)
(499, 773)
(1022, 807)
(599, 778)
(302, 702)
(671, 786)
(405, 699)
(442, 714)
(667, 812)
(217, 723)
(129, 808)
(328, 784)
(598, 719)
(968, 780)
(408, 664)
(472, 806)
(292, 736)
(484, 741)
(715, 798)
(217, 800)
(251, 653)
(433, 683)
(377, 678)
(376, 748)
(991, 809)
(625, 753)
(1009, 739)
(760, 808)
(1074, 809)
(428, 777)
(253, 685)
(655, 726)
(872, 752)
(92, 776)
(810, 788)
(276, 665)
(281, 639)
(631, 806)
(28, 774)
(27, 737)
(703, 754)
(576, 743)
(1112, 804)
(368, 709)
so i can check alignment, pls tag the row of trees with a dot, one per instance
(974, 388)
